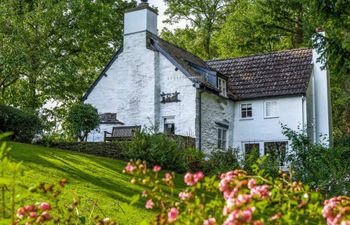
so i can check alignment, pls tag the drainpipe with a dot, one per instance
(303, 114)
(197, 85)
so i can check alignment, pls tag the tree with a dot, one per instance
(204, 17)
(81, 119)
(263, 26)
(53, 50)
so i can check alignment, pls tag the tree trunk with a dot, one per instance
(298, 36)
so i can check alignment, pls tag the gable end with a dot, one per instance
(103, 73)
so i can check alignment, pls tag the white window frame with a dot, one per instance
(241, 110)
(261, 143)
(222, 138)
(276, 111)
(222, 86)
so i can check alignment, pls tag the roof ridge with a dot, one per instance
(258, 55)
(176, 46)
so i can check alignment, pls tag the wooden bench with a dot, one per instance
(121, 133)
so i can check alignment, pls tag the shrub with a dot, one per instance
(193, 159)
(164, 151)
(219, 161)
(24, 124)
(326, 169)
(235, 198)
(81, 119)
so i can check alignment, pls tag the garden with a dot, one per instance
(51, 52)
(154, 181)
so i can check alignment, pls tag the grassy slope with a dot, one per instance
(94, 178)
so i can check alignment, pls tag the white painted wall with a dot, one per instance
(215, 109)
(184, 111)
(129, 87)
(260, 129)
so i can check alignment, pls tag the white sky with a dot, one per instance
(161, 8)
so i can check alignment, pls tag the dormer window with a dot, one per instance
(222, 86)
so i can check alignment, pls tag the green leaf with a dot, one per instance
(134, 199)
(5, 181)
(144, 222)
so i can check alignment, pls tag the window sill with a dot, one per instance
(271, 117)
(250, 118)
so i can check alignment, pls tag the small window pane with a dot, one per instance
(251, 152)
(222, 138)
(276, 151)
(246, 111)
(271, 108)
(222, 86)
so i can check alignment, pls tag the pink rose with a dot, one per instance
(129, 168)
(32, 214)
(185, 195)
(246, 216)
(20, 212)
(251, 183)
(149, 204)
(46, 215)
(168, 177)
(157, 168)
(172, 215)
(210, 221)
(45, 206)
(144, 193)
(198, 176)
(189, 179)
(29, 208)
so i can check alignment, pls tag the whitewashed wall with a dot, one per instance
(215, 109)
(259, 129)
(184, 112)
(129, 87)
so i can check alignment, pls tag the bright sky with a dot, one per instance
(161, 8)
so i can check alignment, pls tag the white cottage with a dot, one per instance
(239, 102)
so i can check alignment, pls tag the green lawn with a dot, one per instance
(93, 178)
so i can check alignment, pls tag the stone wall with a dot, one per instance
(104, 149)
(215, 110)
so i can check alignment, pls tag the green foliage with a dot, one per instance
(204, 16)
(234, 198)
(81, 119)
(164, 151)
(220, 161)
(320, 167)
(51, 50)
(24, 124)
(10, 173)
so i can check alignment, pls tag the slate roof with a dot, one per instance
(183, 60)
(284, 73)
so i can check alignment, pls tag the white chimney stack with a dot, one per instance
(322, 110)
(141, 18)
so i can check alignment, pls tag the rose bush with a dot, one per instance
(235, 198)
